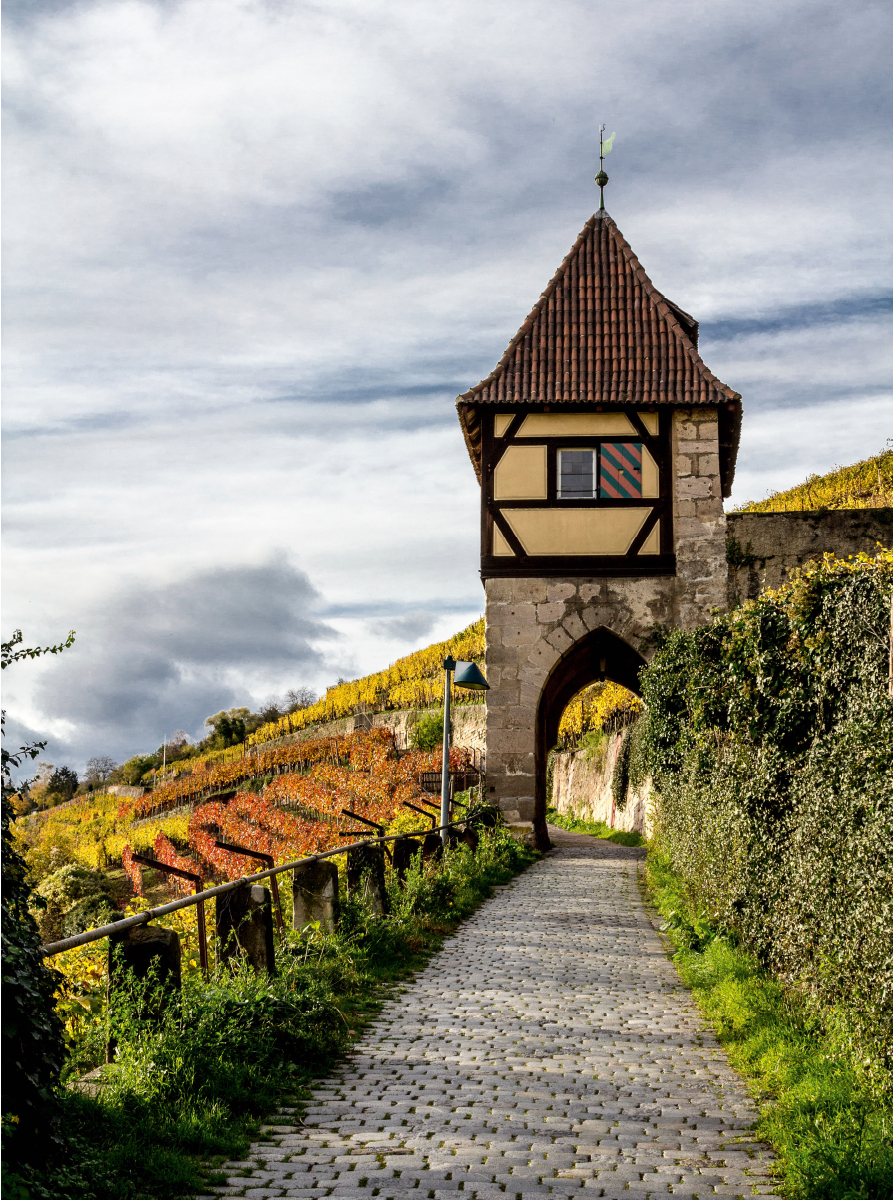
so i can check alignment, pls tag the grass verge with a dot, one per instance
(596, 828)
(189, 1087)
(830, 1128)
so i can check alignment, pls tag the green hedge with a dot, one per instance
(769, 737)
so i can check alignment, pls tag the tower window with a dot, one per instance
(620, 477)
(576, 474)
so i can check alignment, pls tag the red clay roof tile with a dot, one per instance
(601, 333)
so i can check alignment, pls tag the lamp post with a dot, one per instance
(468, 676)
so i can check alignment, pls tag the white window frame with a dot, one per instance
(577, 450)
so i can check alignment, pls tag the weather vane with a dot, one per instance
(604, 147)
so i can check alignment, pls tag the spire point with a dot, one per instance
(604, 147)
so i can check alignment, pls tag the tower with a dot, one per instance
(604, 446)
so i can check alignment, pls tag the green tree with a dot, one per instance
(228, 727)
(428, 734)
(62, 785)
(132, 771)
(32, 1037)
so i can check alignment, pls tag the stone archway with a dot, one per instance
(598, 655)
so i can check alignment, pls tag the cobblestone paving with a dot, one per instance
(549, 1049)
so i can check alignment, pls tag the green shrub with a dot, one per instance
(65, 901)
(428, 733)
(769, 736)
(71, 883)
(820, 1110)
(88, 913)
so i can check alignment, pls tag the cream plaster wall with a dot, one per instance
(650, 475)
(521, 474)
(588, 531)
(576, 425)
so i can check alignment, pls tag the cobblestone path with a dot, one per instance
(549, 1049)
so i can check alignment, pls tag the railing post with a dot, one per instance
(196, 881)
(315, 895)
(365, 867)
(267, 860)
(144, 951)
(244, 926)
(405, 848)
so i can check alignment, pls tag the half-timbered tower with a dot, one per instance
(604, 446)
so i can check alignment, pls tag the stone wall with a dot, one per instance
(469, 727)
(532, 623)
(764, 548)
(581, 787)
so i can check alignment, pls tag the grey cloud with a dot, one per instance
(161, 656)
(409, 627)
(822, 313)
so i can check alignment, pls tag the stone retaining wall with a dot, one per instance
(581, 787)
(469, 727)
(764, 548)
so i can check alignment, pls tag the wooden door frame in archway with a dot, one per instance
(601, 654)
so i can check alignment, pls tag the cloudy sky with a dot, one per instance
(254, 249)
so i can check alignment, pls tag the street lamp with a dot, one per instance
(468, 676)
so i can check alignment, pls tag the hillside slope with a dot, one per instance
(866, 484)
(415, 681)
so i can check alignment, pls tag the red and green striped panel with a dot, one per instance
(621, 471)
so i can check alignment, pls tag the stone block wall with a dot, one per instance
(699, 523)
(581, 787)
(764, 548)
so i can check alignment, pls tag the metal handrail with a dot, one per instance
(143, 918)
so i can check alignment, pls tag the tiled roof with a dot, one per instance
(601, 333)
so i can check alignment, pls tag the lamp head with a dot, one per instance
(468, 676)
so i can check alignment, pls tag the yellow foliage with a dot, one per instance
(415, 681)
(593, 707)
(866, 484)
(90, 833)
(407, 821)
(189, 766)
(142, 837)
(68, 832)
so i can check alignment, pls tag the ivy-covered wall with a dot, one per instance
(769, 737)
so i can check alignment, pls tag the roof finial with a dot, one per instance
(604, 147)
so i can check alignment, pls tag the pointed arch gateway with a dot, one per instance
(598, 655)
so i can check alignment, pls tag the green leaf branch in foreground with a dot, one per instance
(32, 1043)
